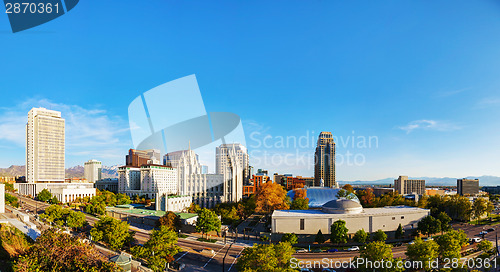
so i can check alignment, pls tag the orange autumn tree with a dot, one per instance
(270, 197)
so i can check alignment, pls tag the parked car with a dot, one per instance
(354, 248)
(398, 244)
(411, 243)
(317, 250)
(429, 239)
(491, 229)
(331, 250)
(302, 250)
(483, 232)
(475, 240)
(208, 250)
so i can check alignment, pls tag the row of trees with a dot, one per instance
(11, 200)
(456, 207)
(64, 217)
(431, 225)
(97, 204)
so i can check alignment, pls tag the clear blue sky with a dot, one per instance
(421, 76)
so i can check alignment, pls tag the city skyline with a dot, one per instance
(424, 86)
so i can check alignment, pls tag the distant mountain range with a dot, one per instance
(72, 172)
(446, 181)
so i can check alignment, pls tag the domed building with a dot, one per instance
(318, 196)
(349, 210)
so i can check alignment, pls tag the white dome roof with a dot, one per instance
(342, 205)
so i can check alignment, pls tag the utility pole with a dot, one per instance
(224, 259)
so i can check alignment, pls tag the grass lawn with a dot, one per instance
(206, 240)
(495, 219)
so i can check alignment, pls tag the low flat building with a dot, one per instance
(107, 184)
(494, 190)
(64, 192)
(378, 191)
(356, 218)
(435, 191)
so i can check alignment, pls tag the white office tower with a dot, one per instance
(92, 170)
(231, 161)
(206, 190)
(44, 146)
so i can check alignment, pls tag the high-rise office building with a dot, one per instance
(92, 170)
(231, 161)
(405, 186)
(468, 187)
(324, 161)
(45, 158)
(138, 158)
(44, 146)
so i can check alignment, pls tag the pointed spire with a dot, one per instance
(190, 145)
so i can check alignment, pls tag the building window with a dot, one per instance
(402, 217)
(302, 223)
(394, 218)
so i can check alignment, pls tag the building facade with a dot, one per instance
(107, 184)
(44, 146)
(231, 161)
(468, 187)
(405, 186)
(92, 170)
(206, 190)
(138, 158)
(324, 161)
(350, 211)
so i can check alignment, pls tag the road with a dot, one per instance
(193, 254)
(192, 251)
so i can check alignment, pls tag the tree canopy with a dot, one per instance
(379, 236)
(44, 195)
(266, 258)
(271, 196)
(378, 251)
(170, 220)
(423, 252)
(115, 233)
(159, 249)
(429, 225)
(289, 238)
(60, 252)
(64, 217)
(360, 236)
(338, 232)
(207, 221)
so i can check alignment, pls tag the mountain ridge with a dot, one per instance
(71, 172)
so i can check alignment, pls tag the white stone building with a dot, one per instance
(44, 146)
(231, 161)
(356, 218)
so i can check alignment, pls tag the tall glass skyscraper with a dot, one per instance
(324, 161)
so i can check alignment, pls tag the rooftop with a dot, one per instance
(389, 210)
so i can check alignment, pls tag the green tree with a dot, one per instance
(376, 252)
(113, 232)
(423, 252)
(54, 200)
(60, 252)
(338, 232)
(485, 245)
(429, 225)
(300, 204)
(75, 219)
(12, 200)
(159, 249)
(479, 208)
(449, 246)
(444, 221)
(289, 238)
(399, 232)
(360, 236)
(194, 208)
(379, 236)
(460, 236)
(44, 195)
(266, 258)
(207, 221)
(169, 220)
(320, 238)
